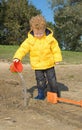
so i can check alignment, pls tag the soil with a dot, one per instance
(39, 115)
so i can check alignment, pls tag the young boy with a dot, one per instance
(44, 54)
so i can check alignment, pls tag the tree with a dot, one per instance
(68, 18)
(17, 20)
(2, 17)
(55, 3)
(69, 22)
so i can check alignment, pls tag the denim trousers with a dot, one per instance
(47, 76)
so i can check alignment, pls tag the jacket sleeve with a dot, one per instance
(56, 51)
(22, 50)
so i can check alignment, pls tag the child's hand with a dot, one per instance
(57, 63)
(16, 60)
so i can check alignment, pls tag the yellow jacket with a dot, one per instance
(44, 52)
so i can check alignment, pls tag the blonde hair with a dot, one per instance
(37, 22)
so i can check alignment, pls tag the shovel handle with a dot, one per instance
(70, 101)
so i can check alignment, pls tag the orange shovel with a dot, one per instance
(52, 98)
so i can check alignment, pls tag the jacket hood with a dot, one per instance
(48, 32)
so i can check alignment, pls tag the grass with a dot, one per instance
(7, 52)
(69, 57)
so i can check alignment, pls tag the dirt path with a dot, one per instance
(40, 115)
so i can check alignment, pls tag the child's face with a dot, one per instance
(38, 33)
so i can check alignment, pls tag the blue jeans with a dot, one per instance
(44, 76)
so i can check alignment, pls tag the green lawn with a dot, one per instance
(69, 57)
(7, 53)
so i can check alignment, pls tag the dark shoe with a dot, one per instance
(39, 97)
(40, 94)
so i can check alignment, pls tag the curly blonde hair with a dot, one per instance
(37, 22)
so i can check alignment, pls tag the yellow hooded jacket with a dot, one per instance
(44, 52)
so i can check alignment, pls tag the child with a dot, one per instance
(44, 54)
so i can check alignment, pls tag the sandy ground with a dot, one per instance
(39, 115)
